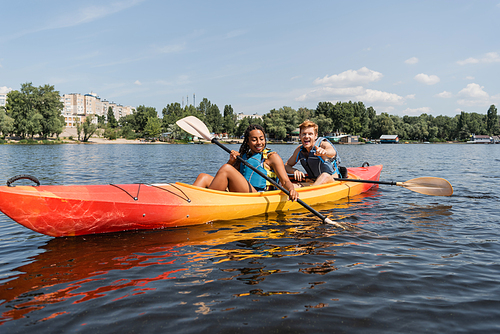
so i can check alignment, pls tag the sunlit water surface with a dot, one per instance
(420, 264)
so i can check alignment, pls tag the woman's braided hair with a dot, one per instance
(244, 148)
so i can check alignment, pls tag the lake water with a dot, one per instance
(421, 263)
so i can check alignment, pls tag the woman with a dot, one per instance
(237, 177)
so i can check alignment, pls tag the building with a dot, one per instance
(240, 116)
(480, 139)
(77, 107)
(389, 139)
(3, 99)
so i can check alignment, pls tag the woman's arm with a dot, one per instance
(275, 162)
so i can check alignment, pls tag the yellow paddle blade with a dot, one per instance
(434, 186)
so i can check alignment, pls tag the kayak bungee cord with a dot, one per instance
(134, 198)
(187, 199)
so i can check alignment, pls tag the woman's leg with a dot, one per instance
(203, 180)
(230, 178)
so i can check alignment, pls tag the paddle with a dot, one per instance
(433, 186)
(196, 127)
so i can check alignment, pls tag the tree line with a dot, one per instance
(37, 111)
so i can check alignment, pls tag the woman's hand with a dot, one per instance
(293, 194)
(233, 157)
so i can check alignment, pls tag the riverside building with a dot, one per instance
(78, 106)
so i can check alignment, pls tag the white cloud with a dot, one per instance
(5, 89)
(352, 93)
(372, 96)
(444, 95)
(350, 78)
(468, 61)
(137, 82)
(473, 90)
(427, 79)
(469, 77)
(410, 96)
(411, 61)
(417, 111)
(328, 92)
(490, 57)
(473, 95)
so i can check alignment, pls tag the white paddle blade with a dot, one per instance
(195, 127)
(433, 186)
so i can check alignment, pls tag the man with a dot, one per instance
(317, 155)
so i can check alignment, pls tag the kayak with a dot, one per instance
(71, 210)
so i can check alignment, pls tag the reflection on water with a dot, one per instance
(418, 263)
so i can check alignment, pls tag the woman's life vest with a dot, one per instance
(257, 160)
(316, 165)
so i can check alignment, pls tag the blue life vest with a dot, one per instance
(257, 160)
(316, 165)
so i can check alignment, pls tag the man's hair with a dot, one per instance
(308, 124)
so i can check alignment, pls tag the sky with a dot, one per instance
(400, 57)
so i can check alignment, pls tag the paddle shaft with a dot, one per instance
(305, 205)
(391, 183)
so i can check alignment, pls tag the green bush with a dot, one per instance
(110, 133)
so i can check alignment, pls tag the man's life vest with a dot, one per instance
(257, 160)
(316, 165)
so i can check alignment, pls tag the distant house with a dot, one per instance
(349, 139)
(496, 139)
(480, 139)
(389, 139)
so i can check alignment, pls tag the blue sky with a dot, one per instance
(401, 57)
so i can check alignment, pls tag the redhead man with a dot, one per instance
(316, 154)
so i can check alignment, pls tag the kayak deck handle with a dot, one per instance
(21, 177)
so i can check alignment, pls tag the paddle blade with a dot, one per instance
(195, 127)
(433, 186)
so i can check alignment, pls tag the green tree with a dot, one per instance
(6, 124)
(153, 127)
(229, 120)
(324, 124)
(112, 122)
(35, 110)
(213, 117)
(171, 114)
(382, 125)
(49, 106)
(463, 126)
(492, 121)
(101, 121)
(88, 128)
(141, 117)
(303, 114)
(21, 106)
(242, 126)
(279, 123)
(127, 120)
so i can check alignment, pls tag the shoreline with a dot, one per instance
(64, 138)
